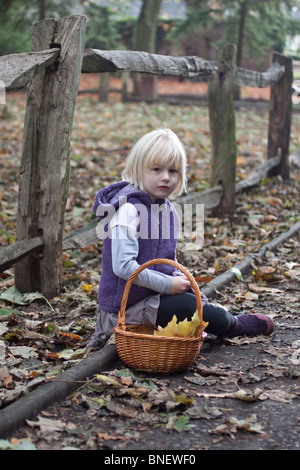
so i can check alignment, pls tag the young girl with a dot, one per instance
(139, 224)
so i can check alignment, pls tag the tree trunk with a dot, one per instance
(241, 34)
(44, 173)
(42, 9)
(144, 39)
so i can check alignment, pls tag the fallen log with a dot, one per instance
(211, 197)
(225, 279)
(257, 176)
(28, 406)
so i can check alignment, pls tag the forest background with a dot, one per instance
(255, 27)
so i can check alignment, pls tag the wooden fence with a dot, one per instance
(51, 72)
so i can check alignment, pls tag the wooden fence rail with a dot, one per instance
(18, 70)
(51, 71)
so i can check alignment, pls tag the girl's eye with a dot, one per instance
(172, 171)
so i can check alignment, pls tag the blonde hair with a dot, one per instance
(160, 147)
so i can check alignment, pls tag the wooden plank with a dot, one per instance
(11, 254)
(17, 70)
(244, 77)
(95, 60)
(45, 162)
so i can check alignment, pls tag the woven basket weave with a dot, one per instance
(151, 353)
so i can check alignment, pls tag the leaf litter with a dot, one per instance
(40, 338)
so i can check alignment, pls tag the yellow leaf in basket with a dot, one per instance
(187, 328)
(169, 330)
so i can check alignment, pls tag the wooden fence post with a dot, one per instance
(280, 117)
(103, 87)
(125, 86)
(44, 174)
(222, 128)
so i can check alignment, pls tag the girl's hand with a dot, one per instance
(180, 285)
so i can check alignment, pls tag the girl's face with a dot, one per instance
(160, 181)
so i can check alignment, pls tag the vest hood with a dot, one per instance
(116, 194)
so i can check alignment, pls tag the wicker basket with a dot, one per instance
(151, 353)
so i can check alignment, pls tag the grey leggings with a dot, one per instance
(184, 306)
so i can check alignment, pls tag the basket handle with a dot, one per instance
(121, 319)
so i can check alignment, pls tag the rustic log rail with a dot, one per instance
(244, 77)
(11, 254)
(18, 70)
(134, 61)
(51, 72)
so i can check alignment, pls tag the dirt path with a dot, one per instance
(242, 393)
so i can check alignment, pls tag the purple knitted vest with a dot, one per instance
(158, 233)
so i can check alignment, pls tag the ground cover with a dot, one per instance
(239, 394)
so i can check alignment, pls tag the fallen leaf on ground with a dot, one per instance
(277, 395)
(232, 425)
(49, 429)
(112, 437)
(178, 423)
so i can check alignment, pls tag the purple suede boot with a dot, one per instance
(251, 325)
